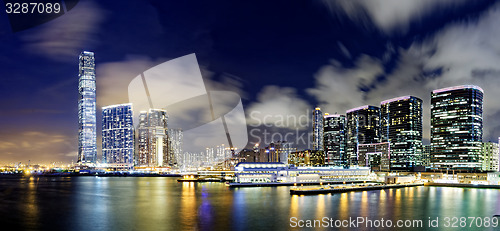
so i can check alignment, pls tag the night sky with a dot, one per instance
(281, 57)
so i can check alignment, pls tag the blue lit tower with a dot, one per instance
(401, 126)
(118, 134)
(317, 123)
(87, 150)
(457, 128)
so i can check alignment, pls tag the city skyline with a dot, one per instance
(329, 57)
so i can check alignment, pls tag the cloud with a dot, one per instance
(114, 78)
(278, 107)
(388, 15)
(63, 38)
(339, 89)
(37, 146)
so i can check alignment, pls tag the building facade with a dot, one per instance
(278, 151)
(152, 140)
(426, 155)
(457, 128)
(118, 135)
(334, 139)
(307, 158)
(87, 132)
(317, 125)
(362, 127)
(490, 156)
(175, 137)
(401, 126)
(377, 156)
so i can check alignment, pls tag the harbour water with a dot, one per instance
(162, 203)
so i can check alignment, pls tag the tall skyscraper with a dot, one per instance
(334, 139)
(87, 149)
(118, 135)
(363, 127)
(317, 124)
(401, 126)
(457, 128)
(152, 140)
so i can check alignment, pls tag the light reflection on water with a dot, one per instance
(155, 203)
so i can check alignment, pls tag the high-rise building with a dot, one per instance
(334, 139)
(118, 135)
(490, 156)
(377, 156)
(175, 139)
(87, 133)
(152, 141)
(314, 158)
(457, 128)
(363, 127)
(401, 126)
(317, 124)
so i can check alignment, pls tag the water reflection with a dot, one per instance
(188, 206)
(128, 203)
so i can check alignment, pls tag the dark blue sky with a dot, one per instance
(371, 51)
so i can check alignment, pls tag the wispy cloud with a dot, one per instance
(37, 146)
(274, 105)
(64, 37)
(339, 89)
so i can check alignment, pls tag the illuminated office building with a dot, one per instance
(152, 141)
(334, 139)
(490, 156)
(401, 126)
(376, 156)
(87, 149)
(457, 128)
(317, 124)
(278, 151)
(313, 158)
(362, 127)
(118, 135)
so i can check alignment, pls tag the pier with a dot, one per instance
(342, 189)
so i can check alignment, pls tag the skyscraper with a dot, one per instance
(152, 140)
(278, 151)
(457, 128)
(87, 150)
(334, 139)
(118, 135)
(401, 126)
(175, 143)
(317, 124)
(363, 127)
